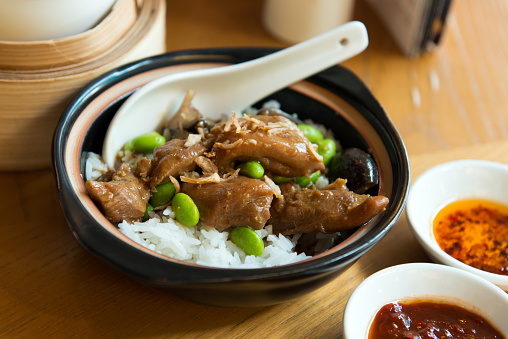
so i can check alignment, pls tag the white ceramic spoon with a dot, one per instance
(222, 90)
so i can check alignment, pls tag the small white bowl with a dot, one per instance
(448, 182)
(423, 280)
(29, 20)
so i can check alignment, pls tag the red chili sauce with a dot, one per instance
(475, 232)
(429, 319)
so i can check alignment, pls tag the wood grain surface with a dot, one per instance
(50, 287)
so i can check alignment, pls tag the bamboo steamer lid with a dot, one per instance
(34, 92)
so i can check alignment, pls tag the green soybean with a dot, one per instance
(278, 179)
(251, 169)
(186, 211)
(311, 132)
(146, 216)
(163, 195)
(248, 240)
(304, 181)
(326, 149)
(145, 143)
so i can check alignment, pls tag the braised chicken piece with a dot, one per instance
(331, 209)
(237, 201)
(276, 142)
(124, 197)
(143, 168)
(176, 157)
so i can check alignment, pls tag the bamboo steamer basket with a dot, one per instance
(37, 79)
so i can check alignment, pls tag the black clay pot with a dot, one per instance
(334, 97)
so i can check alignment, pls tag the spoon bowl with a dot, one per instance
(222, 90)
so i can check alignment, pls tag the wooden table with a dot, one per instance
(50, 287)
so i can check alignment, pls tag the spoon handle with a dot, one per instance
(278, 70)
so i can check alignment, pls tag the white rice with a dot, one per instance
(94, 166)
(207, 246)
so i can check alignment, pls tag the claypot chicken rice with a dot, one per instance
(248, 184)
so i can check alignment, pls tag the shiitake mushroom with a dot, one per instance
(181, 128)
(204, 124)
(186, 120)
(179, 132)
(357, 167)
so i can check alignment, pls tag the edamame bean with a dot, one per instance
(186, 211)
(326, 149)
(280, 179)
(146, 216)
(248, 240)
(251, 169)
(304, 181)
(163, 195)
(311, 132)
(145, 143)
